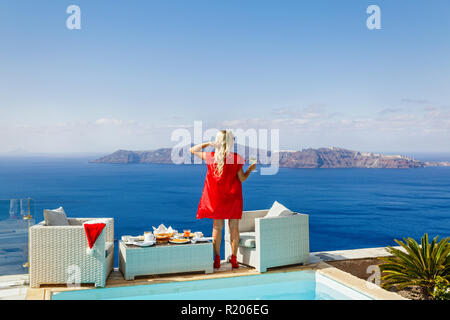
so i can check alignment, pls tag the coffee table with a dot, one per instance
(164, 258)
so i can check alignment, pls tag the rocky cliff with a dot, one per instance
(342, 158)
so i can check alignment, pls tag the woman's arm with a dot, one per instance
(196, 150)
(243, 176)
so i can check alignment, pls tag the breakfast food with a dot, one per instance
(162, 238)
(164, 234)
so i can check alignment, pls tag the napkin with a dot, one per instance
(162, 229)
(202, 239)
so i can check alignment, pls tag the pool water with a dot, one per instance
(296, 285)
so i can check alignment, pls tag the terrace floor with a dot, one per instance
(13, 287)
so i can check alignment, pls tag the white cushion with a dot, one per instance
(55, 217)
(278, 210)
(247, 239)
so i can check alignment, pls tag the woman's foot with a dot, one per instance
(234, 263)
(217, 262)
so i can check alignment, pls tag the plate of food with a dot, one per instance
(179, 241)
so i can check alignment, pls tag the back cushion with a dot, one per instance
(55, 217)
(278, 210)
(247, 223)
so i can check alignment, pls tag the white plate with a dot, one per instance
(184, 242)
(143, 244)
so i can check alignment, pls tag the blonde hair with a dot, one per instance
(224, 145)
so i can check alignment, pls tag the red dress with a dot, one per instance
(222, 196)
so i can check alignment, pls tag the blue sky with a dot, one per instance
(139, 69)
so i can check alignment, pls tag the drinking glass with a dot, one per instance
(252, 161)
(14, 211)
(26, 208)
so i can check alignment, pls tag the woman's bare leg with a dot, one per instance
(233, 224)
(217, 235)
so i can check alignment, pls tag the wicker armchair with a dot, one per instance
(58, 254)
(271, 242)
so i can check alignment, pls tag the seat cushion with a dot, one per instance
(278, 210)
(109, 248)
(55, 217)
(247, 240)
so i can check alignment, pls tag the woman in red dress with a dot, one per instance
(222, 192)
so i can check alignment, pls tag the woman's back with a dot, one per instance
(222, 193)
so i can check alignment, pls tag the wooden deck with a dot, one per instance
(116, 279)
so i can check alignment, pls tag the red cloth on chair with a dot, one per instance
(93, 230)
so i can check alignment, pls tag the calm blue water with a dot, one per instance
(300, 285)
(348, 208)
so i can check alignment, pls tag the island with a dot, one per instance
(331, 157)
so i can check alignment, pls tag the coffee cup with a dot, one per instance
(148, 236)
(198, 234)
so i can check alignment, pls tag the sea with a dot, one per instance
(347, 208)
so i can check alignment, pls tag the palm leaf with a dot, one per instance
(416, 264)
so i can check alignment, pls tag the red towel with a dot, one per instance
(93, 230)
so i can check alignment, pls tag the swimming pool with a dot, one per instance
(296, 285)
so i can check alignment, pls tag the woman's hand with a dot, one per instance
(244, 175)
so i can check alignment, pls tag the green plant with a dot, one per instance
(417, 265)
(441, 289)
